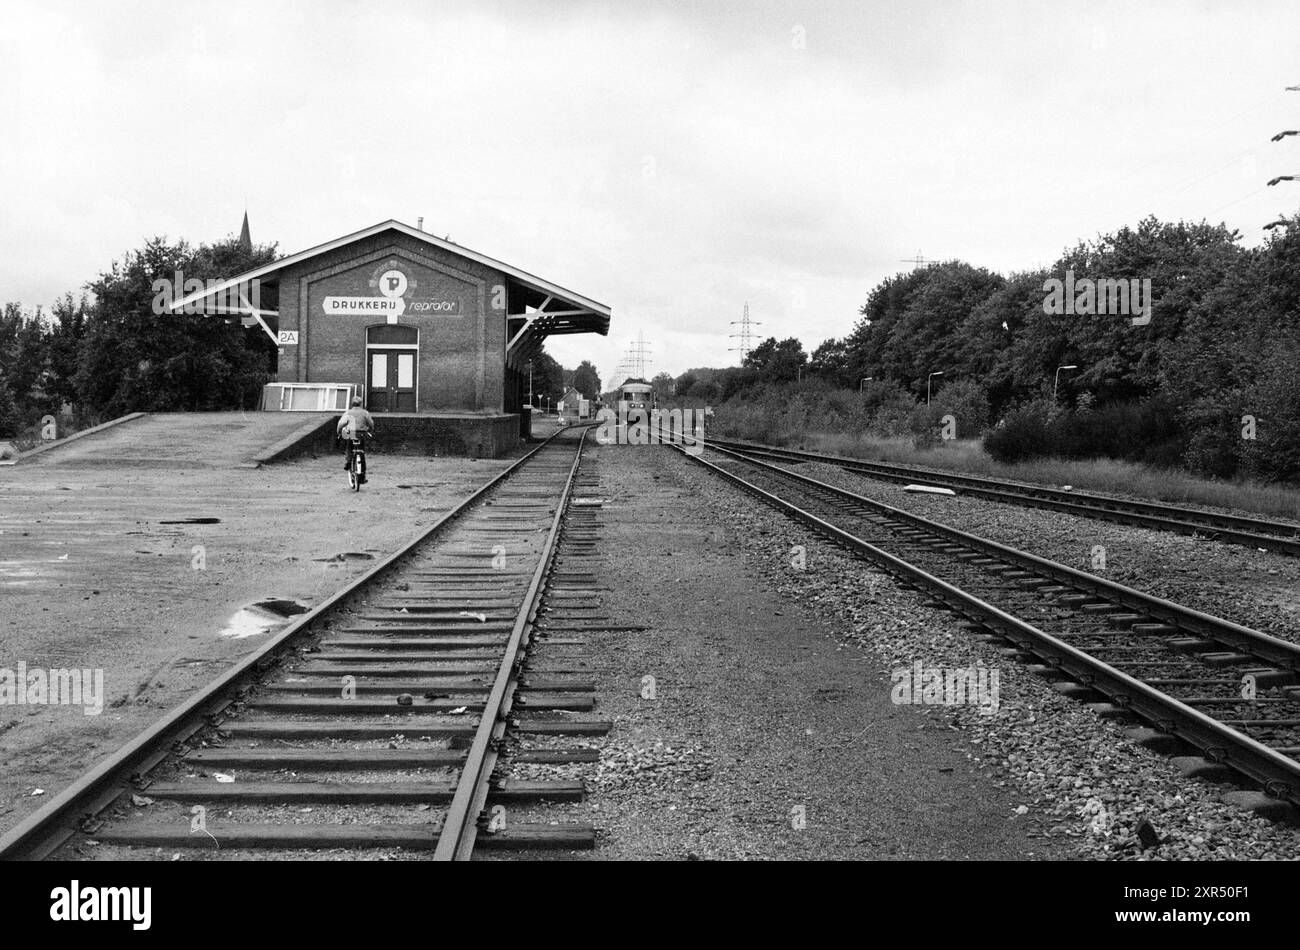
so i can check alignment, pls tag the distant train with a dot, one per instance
(635, 394)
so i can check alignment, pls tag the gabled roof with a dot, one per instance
(530, 281)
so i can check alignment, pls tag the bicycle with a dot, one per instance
(356, 464)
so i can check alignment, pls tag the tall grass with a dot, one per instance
(1109, 476)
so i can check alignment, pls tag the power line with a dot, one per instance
(1150, 200)
(639, 355)
(635, 361)
(745, 335)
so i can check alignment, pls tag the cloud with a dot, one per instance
(671, 159)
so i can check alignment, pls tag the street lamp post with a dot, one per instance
(1057, 381)
(927, 385)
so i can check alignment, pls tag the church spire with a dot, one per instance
(245, 241)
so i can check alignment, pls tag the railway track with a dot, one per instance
(376, 722)
(1224, 690)
(1277, 536)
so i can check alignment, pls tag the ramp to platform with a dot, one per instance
(193, 440)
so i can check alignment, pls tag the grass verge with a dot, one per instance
(1107, 476)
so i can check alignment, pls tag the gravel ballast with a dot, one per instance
(1090, 786)
(1255, 588)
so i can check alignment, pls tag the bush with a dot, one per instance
(1147, 432)
(968, 403)
(1213, 451)
(745, 421)
(926, 424)
(10, 424)
(780, 414)
(887, 408)
(1274, 401)
(1025, 433)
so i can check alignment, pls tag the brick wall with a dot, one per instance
(461, 357)
(472, 436)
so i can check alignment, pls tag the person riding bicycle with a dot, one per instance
(356, 423)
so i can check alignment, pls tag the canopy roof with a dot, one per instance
(539, 308)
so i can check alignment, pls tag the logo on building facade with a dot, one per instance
(393, 285)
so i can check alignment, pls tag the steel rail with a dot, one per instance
(1272, 649)
(34, 837)
(1279, 775)
(460, 826)
(1276, 536)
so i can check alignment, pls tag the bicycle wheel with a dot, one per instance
(353, 481)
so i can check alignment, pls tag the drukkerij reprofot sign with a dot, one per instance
(391, 303)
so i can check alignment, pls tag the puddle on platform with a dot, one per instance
(261, 617)
(194, 521)
(285, 608)
(347, 556)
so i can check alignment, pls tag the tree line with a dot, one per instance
(108, 352)
(1208, 378)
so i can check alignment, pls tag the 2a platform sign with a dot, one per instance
(287, 338)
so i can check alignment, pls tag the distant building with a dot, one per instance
(435, 337)
(573, 403)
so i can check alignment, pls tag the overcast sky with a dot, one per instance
(673, 160)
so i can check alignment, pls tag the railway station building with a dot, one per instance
(436, 338)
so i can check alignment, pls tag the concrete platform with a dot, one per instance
(191, 440)
(250, 439)
(153, 572)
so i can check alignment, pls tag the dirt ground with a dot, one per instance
(100, 570)
(761, 736)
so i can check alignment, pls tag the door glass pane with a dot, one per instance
(378, 370)
(405, 370)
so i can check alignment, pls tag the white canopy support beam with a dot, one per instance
(257, 315)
